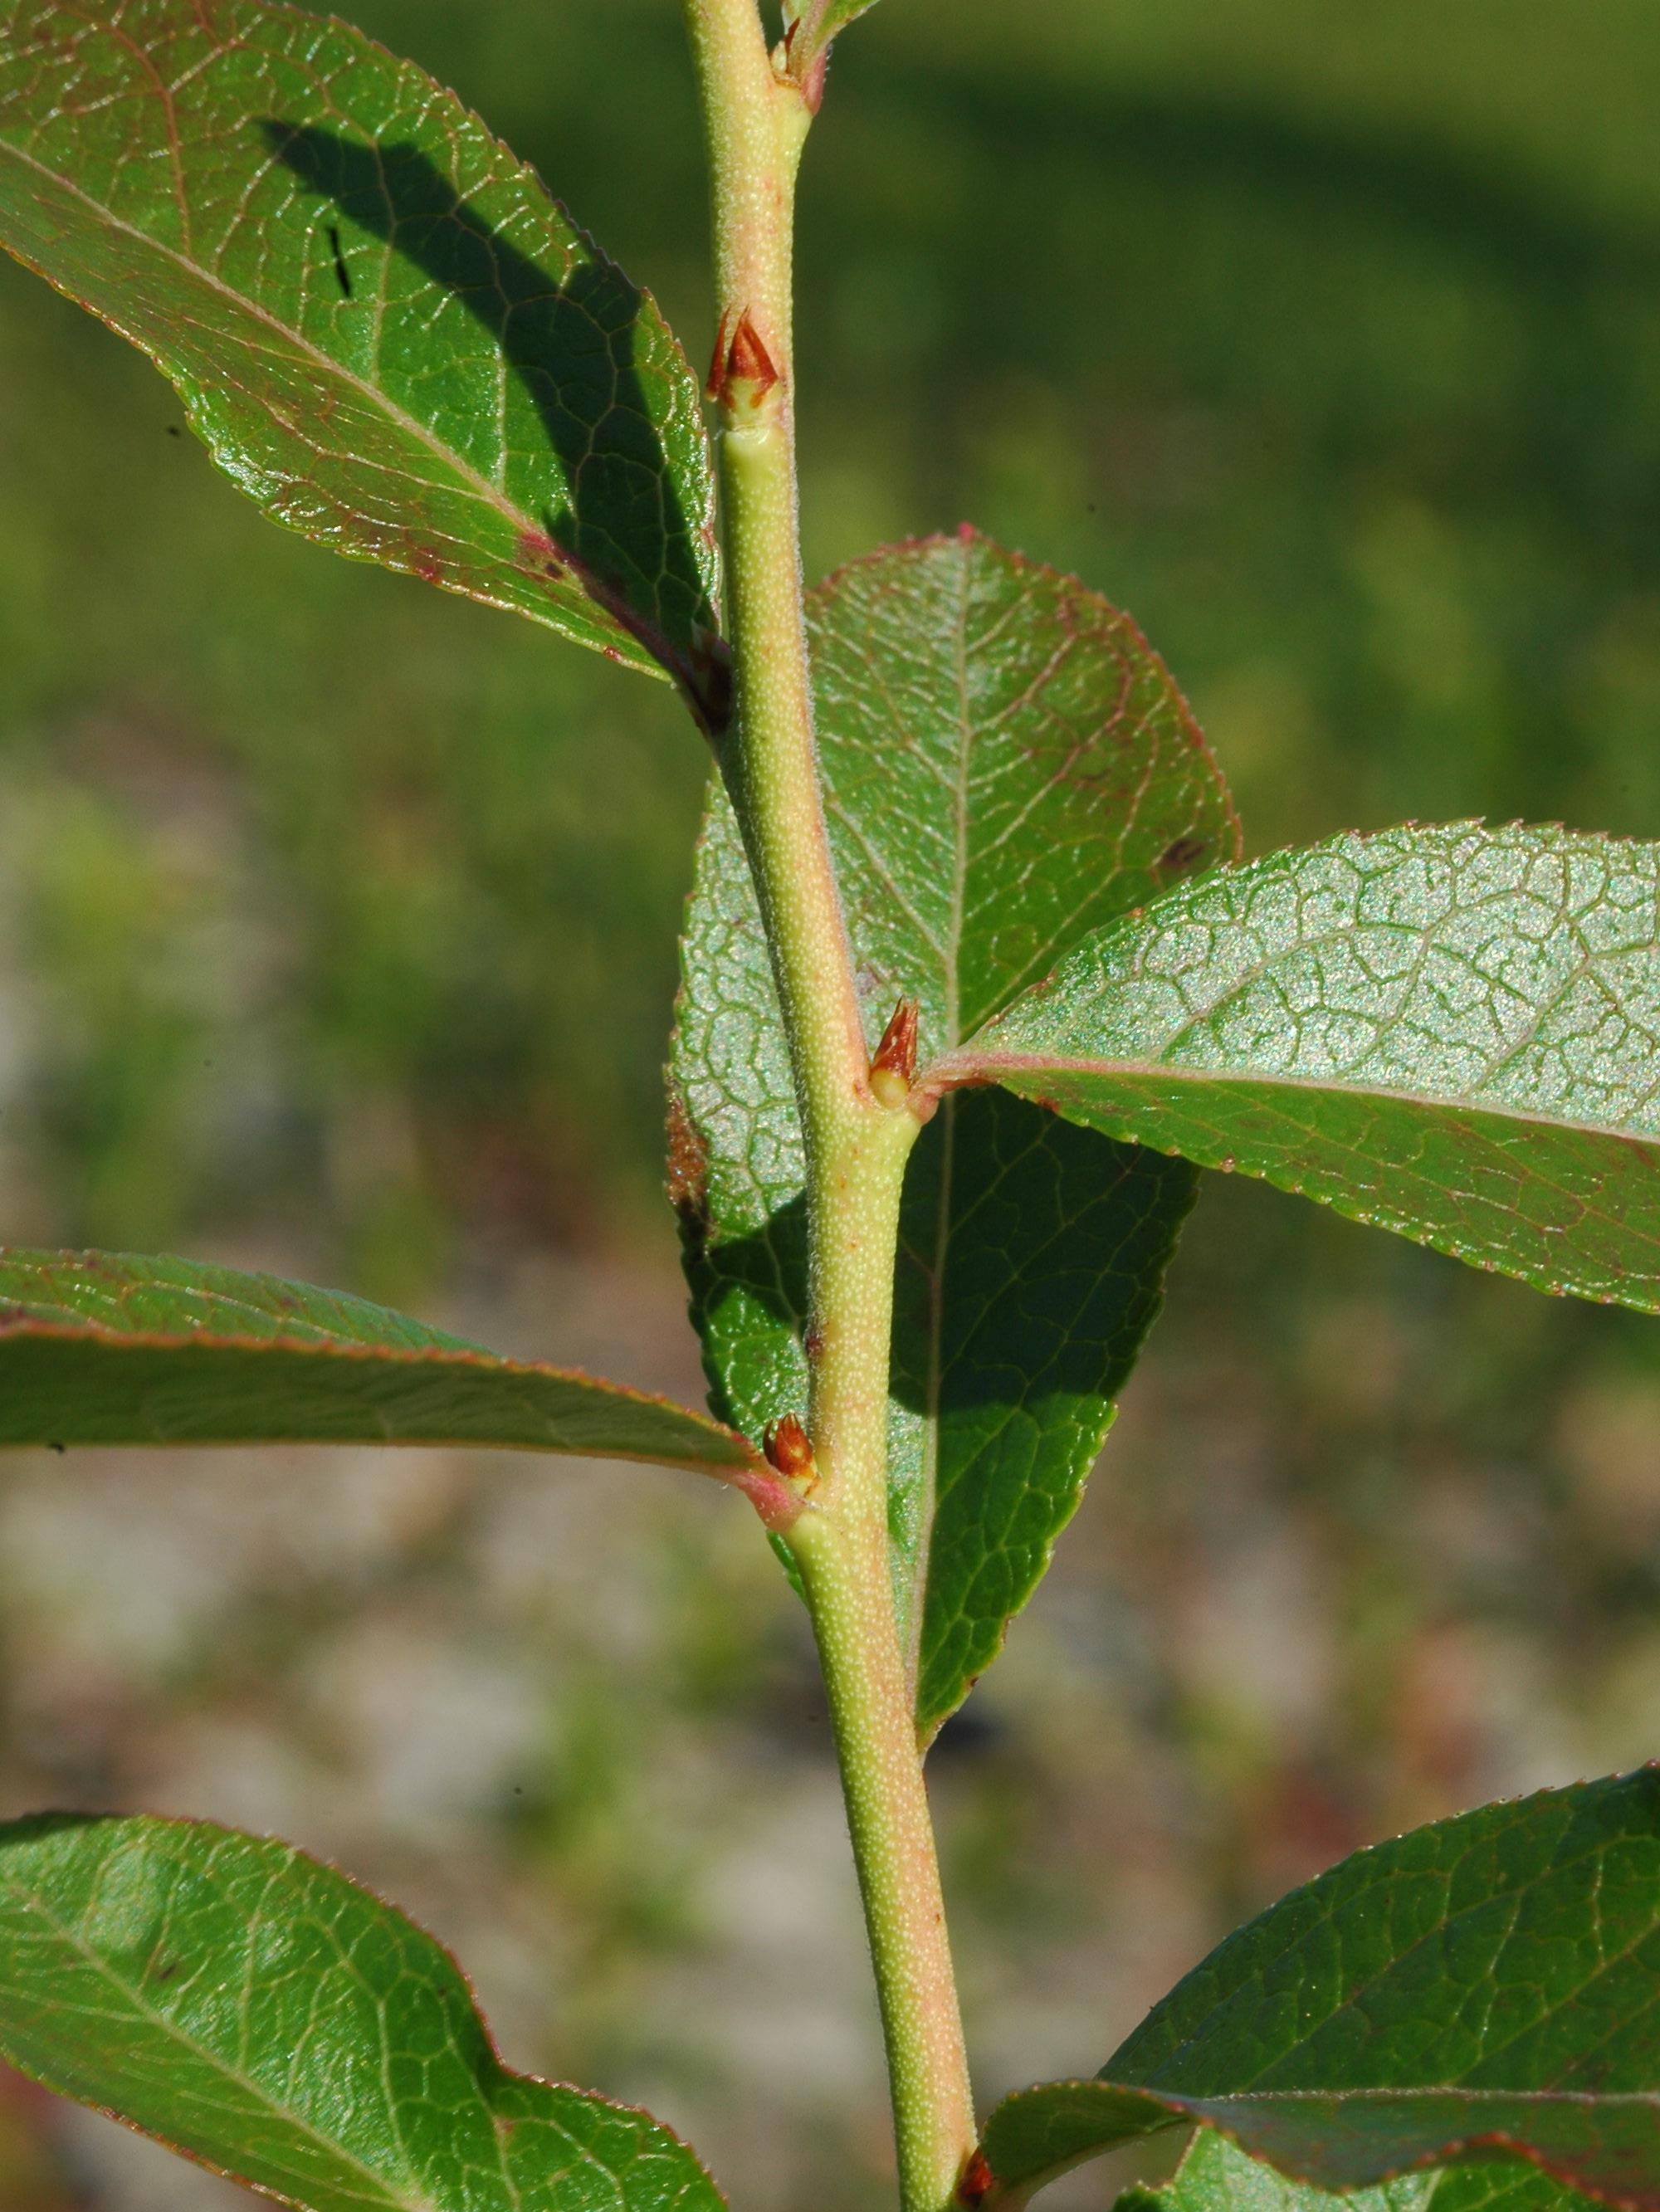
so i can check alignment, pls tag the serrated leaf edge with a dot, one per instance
(13, 1828)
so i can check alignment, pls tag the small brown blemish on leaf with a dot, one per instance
(688, 1165)
(168, 1970)
(1177, 858)
(978, 2180)
(537, 550)
(787, 1449)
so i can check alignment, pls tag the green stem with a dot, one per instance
(856, 1147)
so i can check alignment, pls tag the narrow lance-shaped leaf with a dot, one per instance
(1005, 764)
(1485, 1988)
(1453, 1032)
(382, 326)
(265, 2015)
(110, 1348)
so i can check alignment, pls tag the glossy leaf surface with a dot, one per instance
(261, 2013)
(1007, 765)
(1483, 1988)
(380, 324)
(1215, 2176)
(1453, 1033)
(110, 1348)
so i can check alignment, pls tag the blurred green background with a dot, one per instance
(337, 927)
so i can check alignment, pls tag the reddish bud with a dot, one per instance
(787, 1449)
(717, 374)
(893, 1069)
(978, 2180)
(744, 369)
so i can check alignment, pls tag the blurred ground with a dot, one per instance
(336, 935)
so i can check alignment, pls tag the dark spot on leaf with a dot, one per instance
(1177, 858)
(340, 268)
(173, 430)
(537, 550)
(167, 1970)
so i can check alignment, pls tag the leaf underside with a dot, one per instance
(263, 2015)
(383, 328)
(1006, 765)
(110, 1348)
(1453, 1032)
(1215, 2176)
(1481, 1989)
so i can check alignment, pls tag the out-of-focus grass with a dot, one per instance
(337, 929)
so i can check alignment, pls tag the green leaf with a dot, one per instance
(263, 2015)
(1217, 2177)
(108, 1348)
(1007, 765)
(382, 326)
(1484, 1988)
(1453, 1033)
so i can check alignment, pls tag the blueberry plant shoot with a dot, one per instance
(973, 987)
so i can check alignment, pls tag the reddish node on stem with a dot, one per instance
(746, 373)
(893, 1067)
(978, 2181)
(787, 1449)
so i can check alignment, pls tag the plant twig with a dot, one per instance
(856, 1142)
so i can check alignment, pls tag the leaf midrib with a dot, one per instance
(970, 1066)
(952, 976)
(68, 1935)
(465, 1360)
(636, 626)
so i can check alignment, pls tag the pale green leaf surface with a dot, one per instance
(111, 1348)
(1216, 2176)
(382, 326)
(261, 2013)
(1006, 765)
(1483, 1988)
(1453, 1032)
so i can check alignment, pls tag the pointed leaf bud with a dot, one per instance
(744, 371)
(978, 2181)
(787, 1449)
(893, 1069)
